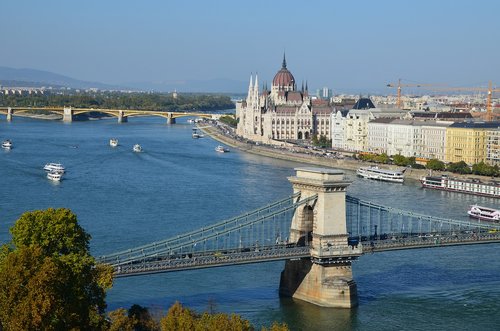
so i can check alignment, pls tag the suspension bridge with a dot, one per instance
(317, 227)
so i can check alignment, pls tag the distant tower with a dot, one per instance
(174, 94)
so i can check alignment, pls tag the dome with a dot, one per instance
(284, 77)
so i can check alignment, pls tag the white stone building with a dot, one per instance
(284, 113)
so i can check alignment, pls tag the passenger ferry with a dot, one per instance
(374, 172)
(54, 167)
(7, 144)
(221, 149)
(469, 186)
(484, 213)
(195, 134)
(55, 176)
(113, 142)
(137, 148)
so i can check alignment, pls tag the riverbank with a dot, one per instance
(319, 160)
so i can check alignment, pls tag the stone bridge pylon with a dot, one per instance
(326, 278)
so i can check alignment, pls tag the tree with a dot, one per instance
(400, 160)
(58, 285)
(459, 167)
(435, 164)
(484, 169)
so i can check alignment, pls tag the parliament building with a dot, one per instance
(282, 113)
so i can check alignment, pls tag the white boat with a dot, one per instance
(374, 172)
(137, 148)
(113, 142)
(7, 144)
(196, 134)
(484, 213)
(469, 186)
(221, 149)
(55, 176)
(191, 121)
(54, 167)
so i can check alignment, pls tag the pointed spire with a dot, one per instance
(283, 65)
(256, 83)
(251, 81)
(302, 87)
(307, 89)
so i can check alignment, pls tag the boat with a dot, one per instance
(54, 167)
(469, 186)
(191, 121)
(137, 148)
(196, 134)
(54, 176)
(7, 144)
(484, 213)
(221, 149)
(113, 142)
(374, 172)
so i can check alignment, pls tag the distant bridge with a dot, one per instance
(122, 115)
(316, 227)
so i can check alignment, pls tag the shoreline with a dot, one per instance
(345, 164)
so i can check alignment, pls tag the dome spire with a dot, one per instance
(283, 65)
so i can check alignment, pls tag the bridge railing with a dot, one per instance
(370, 220)
(261, 227)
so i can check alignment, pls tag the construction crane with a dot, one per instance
(489, 90)
(399, 86)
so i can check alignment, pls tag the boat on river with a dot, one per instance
(113, 142)
(196, 134)
(387, 175)
(137, 148)
(7, 144)
(484, 213)
(54, 167)
(469, 186)
(221, 149)
(54, 176)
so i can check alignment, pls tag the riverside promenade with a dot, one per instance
(224, 135)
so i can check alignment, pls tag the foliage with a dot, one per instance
(382, 158)
(484, 169)
(435, 164)
(121, 100)
(229, 120)
(459, 167)
(401, 160)
(322, 141)
(48, 279)
(136, 319)
(180, 318)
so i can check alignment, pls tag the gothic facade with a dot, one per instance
(282, 113)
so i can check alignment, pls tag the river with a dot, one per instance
(125, 199)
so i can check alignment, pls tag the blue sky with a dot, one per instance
(351, 45)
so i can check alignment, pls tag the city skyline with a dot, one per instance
(345, 46)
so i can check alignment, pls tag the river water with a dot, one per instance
(125, 199)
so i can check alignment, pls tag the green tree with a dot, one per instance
(119, 320)
(459, 167)
(382, 158)
(484, 169)
(435, 164)
(58, 284)
(314, 140)
(400, 160)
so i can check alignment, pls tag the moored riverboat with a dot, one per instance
(374, 172)
(469, 186)
(484, 213)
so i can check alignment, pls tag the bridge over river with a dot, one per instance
(122, 115)
(319, 231)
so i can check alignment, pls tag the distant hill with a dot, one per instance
(208, 86)
(36, 77)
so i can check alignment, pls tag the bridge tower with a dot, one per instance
(67, 114)
(122, 118)
(326, 278)
(170, 118)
